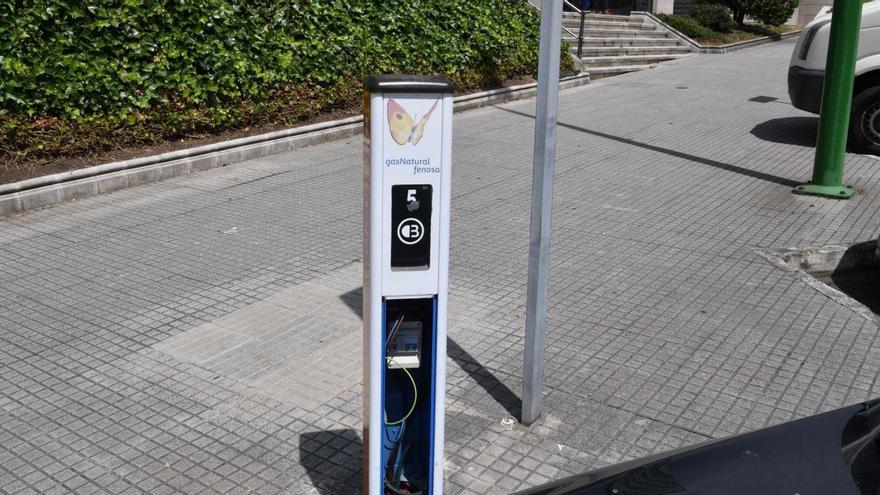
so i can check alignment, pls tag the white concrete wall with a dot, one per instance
(663, 7)
(808, 10)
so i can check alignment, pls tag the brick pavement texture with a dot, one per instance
(175, 337)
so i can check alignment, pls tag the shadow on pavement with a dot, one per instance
(499, 391)
(799, 131)
(764, 99)
(857, 278)
(485, 379)
(333, 460)
(678, 154)
(354, 299)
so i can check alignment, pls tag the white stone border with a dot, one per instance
(18, 197)
(717, 49)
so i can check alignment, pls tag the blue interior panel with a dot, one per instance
(407, 445)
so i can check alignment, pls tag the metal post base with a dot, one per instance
(839, 192)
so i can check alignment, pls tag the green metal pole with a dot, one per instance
(836, 102)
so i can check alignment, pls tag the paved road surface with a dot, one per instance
(202, 334)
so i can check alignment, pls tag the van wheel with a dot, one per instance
(864, 125)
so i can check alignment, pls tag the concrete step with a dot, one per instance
(613, 51)
(626, 60)
(627, 42)
(603, 72)
(621, 33)
(591, 25)
(568, 16)
(621, 24)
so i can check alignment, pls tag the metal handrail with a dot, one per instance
(566, 2)
(580, 35)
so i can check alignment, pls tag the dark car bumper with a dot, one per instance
(805, 88)
(837, 452)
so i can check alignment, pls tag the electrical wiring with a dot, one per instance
(398, 470)
(397, 491)
(394, 329)
(400, 432)
(415, 394)
(398, 452)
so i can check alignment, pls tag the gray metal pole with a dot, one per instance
(542, 203)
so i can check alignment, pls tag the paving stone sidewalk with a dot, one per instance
(202, 335)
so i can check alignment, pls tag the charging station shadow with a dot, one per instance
(354, 299)
(500, 392)
(799, 131)
(333, 460)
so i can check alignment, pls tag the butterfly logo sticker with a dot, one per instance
(403, 127)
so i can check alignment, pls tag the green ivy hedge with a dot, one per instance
(82, 75)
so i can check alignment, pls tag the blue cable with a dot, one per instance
(394, 329)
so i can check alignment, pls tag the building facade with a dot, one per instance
(803, 15)
(805, 12)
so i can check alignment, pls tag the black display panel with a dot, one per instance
(411, 226)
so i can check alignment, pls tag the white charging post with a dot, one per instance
(408, 156)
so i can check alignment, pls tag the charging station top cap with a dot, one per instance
(403, 83)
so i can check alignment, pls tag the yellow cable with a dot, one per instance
(415, 394)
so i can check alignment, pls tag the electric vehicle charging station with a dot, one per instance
(407, 161)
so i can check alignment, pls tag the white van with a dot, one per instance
(806, 74)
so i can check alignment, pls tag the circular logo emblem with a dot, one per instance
(410, 231)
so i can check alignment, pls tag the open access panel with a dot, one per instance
(407, 155)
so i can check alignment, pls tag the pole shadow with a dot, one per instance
(333, 460)
(500, 392)
(799, 131)
(678, 154)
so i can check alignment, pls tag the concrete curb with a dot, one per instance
(732, 47)
(22, 196)
(718, 49)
